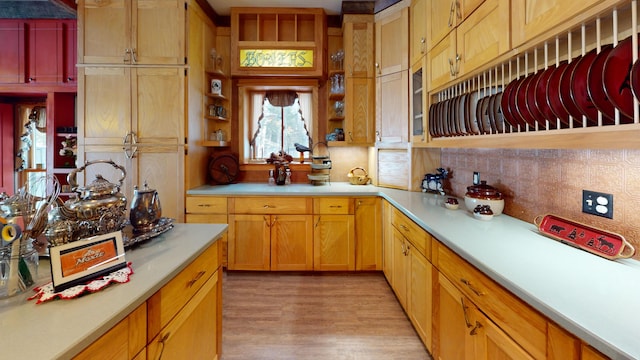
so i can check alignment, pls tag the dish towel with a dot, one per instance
(46, 292)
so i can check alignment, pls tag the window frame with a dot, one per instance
(247, 86)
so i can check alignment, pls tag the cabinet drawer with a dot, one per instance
(165, 304)
(414, 233)
(206, 205)
(270, 205)
(336, 206)
(526, 326)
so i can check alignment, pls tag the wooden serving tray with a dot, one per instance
(596, 241)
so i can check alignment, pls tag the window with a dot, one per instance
(262, 110)
(281, 125)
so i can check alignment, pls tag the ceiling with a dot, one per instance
(221, 7)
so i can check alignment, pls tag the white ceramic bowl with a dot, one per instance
(451, 206)
(485, 217)
(496, 205)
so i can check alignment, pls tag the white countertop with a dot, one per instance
(596, 299)
(59, 329)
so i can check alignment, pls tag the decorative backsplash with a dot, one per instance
(541, 181)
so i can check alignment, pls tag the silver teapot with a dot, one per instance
(99, 207)
(145, 211)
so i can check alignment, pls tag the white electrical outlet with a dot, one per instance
(596, 203)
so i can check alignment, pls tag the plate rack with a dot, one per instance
(608, 29)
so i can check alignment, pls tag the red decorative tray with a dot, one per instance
(596, 241)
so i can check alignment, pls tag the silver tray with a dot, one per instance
(131, 236)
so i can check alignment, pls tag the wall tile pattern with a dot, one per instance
(539, 182)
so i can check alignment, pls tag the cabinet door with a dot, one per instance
(418, 102)
(45, 52)
(249, 246)
(387, 242)
(392, 43)
(158, 108)
(104, 31)
(442, 18)
(368, 228)
(452, 340)
(161, 167)
(158, 31)
(442, 61)
(12, 51)
(400, 267)
(392, 107)
(420, 296)
(358, 45)
(493, 343)
(534, 17)
(104, 117)
(359, 110)
(70, 51)
(483, 36)
(291, 242)
(333, 242)
(418, 32)
(199, 316)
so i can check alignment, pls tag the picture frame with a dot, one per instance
(81, 261)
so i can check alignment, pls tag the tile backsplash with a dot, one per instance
(542, 181)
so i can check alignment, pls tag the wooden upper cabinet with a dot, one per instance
(418, 32)
(483, 35)
(392, 42)
(45, 52)
(357, 34)
(131, 31)
(278, 41)
(534, 17)
(444, 16)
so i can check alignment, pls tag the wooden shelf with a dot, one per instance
(217, 118)
(67, 134)
(210, 143)
(215, 96)
(217, 74)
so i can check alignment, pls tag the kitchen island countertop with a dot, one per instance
(60, 329)
(594, 298)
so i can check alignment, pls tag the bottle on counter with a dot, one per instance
(272, 180)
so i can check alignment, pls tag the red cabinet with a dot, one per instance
(12, 51)
(40, 52)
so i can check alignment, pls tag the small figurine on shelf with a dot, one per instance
(69, 149)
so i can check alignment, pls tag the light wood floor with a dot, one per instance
(314, 316)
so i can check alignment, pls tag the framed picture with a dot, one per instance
(81, 261)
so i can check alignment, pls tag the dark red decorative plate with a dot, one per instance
(553, 94)
(531, 101)
(616, 82)
(521, 102)
(541, 96)
(596, 241)
(432, 117)
(578, 87)
(565, 93)
(472, 121)
(490, 113)
(479, 114)
(505, 103)
(501, 126)
(635, 79)
(595, 88)
(513, 99)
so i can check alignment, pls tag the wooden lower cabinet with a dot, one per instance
(464, 332)
(208, 210)
(420, 296)
(194, 331)
(368, 233)
(270, 242)
(164, 326)
(126, 340)
(334, 242)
